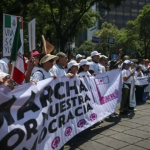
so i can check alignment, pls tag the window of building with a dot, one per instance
(134, 14)
(127, 9)
(112, 13)
(119, 13)
(127, 14)
(134, 1)
(134, 10)
(119, 21)
(127, 1)
(141, 3)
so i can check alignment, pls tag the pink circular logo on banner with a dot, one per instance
(55, 142)
(81, 123)
(93, 117)
(68, 131)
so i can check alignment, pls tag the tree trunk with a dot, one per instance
(145, 47)
(62, 45)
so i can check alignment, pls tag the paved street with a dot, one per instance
(125, 133)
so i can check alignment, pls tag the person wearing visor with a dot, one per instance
(84, 68)
(46, 62)
(127, 76)
(95, 67)
(32, 65)
(103, 61)
(72, 68)
(79, 58)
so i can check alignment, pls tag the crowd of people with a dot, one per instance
(41, 66)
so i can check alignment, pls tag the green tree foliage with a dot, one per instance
(86, 48)
(143, 27)
(59, 20)
(124, 38)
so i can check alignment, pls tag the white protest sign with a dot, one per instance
(31, 33)
(47, 115)
(9, 28)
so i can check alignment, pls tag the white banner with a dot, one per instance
(141, 81)
(47, 115)
(9, 29)
(31, 33)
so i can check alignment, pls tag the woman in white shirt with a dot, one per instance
(84, 68)
(46, 62)
(73, 67)
(127, 78)
(139, 88)
(138, 72)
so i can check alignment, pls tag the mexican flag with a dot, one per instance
(9, 29)
(19, 68)
(11, 21)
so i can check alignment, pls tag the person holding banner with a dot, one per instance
(4, 64)
(84, 68)
(96, 67)
(79, 58)
(103, 61)
(139, 88)
(127, 76)
(72, 68)
(32, 65)
(6, 80)
(46, 62)
(59, 69)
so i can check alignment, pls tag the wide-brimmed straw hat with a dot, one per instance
(47, 58)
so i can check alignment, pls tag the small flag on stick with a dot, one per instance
(47, 47)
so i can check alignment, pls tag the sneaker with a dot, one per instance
(113, 116)
(124, 113)
(116, 113)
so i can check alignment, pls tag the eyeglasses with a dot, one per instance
(51, 61)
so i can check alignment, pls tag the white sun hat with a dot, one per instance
(84, 62)
(72, 63)
(94, 53)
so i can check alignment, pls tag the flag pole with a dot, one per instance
(31, 37)
(16, 46)
(12, 70)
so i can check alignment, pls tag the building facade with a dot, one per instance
(128, 10)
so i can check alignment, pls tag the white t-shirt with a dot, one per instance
(35, 69)
(126, 73)
(143, 67)
(3, 74)
(97, 68)
(40, 74)
(137, 73)
(4, 65)
(83, 73)
(58, 71)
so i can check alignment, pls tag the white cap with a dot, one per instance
(95, 53)
(127, 62)
(79, 56)
(103, 56)
(89, 59)
(84, 62)
(72, 63)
